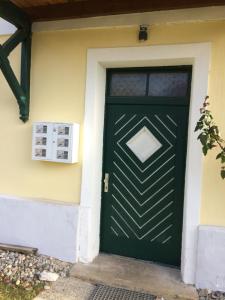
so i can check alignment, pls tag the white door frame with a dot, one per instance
(197, 55)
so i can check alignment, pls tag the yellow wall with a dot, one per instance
(57, 94)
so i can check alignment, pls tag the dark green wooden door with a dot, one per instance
(144, 166)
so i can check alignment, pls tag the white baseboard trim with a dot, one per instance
(49, 226)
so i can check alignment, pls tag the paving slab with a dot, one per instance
(135, 275)
(67, 289)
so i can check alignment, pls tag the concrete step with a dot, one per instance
(135, 275)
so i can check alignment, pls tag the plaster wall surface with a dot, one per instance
(50, 227)
(210, 261)
(57, 94)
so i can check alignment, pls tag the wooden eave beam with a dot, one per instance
(21, 91)
(93, 8)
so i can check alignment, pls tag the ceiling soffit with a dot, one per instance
(44, 10)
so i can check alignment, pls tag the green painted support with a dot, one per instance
(17, 38)
(21, 91)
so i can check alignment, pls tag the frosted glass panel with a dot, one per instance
(168, 84)
(144, 144)
(128, 84)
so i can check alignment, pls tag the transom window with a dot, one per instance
(170, 82)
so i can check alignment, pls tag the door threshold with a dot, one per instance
(136, 275)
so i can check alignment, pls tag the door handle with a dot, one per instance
(106, 183)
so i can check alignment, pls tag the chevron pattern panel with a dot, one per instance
(143, 189)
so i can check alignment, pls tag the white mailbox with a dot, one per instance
(56, 142)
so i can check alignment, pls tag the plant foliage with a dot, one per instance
(210, 136)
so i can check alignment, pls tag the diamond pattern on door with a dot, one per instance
(143, 144)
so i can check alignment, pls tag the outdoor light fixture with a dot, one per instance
(143, 33)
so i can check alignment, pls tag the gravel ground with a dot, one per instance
(24, 270)
(209, 295)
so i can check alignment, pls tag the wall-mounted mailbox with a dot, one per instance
(56, 142)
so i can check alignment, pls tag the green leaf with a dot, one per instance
(196, 128)
(219, 155)
(202, 118)
(211, 146)
(212, 141)
(214, 129)
(205, 149)
(199, 126)
(223, 174)
(203, 138)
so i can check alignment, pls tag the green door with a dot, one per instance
(146, 122)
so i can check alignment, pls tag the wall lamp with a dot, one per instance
(143, 33)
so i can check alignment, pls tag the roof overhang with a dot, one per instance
(67, 9)
(216, 13)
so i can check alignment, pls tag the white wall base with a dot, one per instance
(49, 226)
(211, 258)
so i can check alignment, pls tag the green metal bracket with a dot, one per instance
(21, 90)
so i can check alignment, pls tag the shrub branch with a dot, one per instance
(209, 135)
